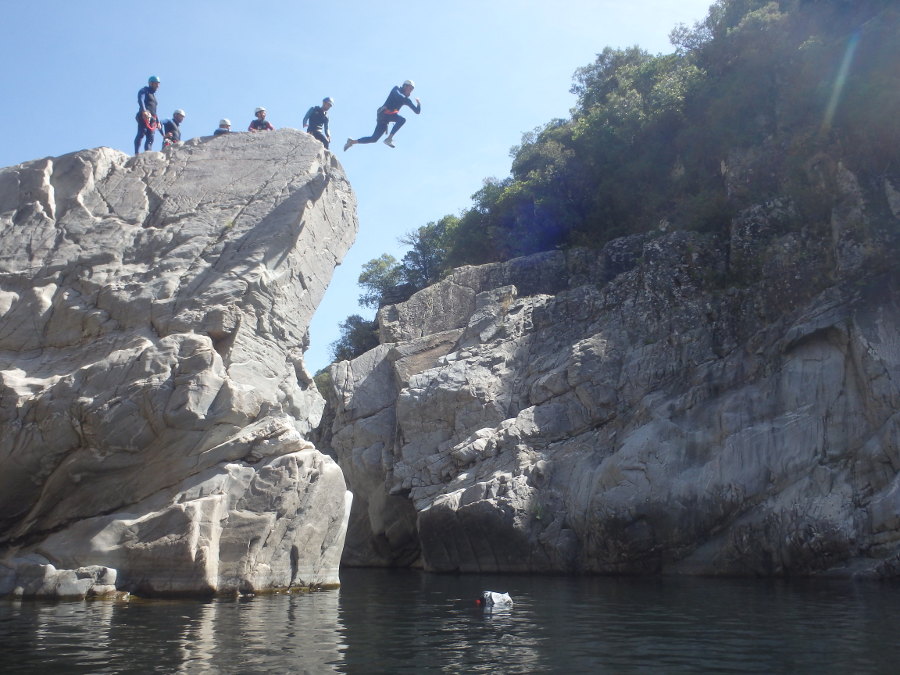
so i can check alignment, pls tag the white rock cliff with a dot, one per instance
(155, 405)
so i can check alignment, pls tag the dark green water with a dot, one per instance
(408, 622)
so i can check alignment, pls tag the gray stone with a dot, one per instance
(674, 403)
(155, 405)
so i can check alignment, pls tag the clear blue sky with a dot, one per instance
(486, 71)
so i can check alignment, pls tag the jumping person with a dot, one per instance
(147, 120)
(172, 128)
(388, 113)
(260, 123)
(224, 127)
(317, 119)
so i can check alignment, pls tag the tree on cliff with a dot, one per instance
(358, 336)
(760, 88)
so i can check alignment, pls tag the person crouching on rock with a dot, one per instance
(224, 127)
(147, 120)
(172, 128)
(316, 118)
(388, 113)
(260, 123)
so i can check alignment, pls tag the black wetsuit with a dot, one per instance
(389, 113)
(171, 132)
(260, 125)
(146, 101)
(317, 117)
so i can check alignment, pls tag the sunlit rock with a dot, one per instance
(675, 403)
(155, 405)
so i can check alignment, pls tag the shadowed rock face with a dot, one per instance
(676, 403)
(155, 405)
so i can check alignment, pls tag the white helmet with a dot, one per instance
(224, 122)
(179, 112)
(259, 110)
(410, 83)
(328, 99)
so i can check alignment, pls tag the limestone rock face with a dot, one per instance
(676, 403)
(155, 404)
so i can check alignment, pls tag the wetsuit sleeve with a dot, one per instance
(141, 107)
(306, 116)
(408, 102)
(397, 100)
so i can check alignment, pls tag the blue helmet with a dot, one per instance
(152, 79)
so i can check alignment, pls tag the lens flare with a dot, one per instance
(840, 80)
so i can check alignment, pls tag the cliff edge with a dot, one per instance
(678, 402)
(155, 404)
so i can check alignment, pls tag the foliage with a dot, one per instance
(425, 262)
(357, 337)
(323, 382)
(740, 113)
(378, 276)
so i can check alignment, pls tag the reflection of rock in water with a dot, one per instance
(156, 408)
(298, 632)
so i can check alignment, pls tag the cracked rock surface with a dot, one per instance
(675, 403)
(155, 405)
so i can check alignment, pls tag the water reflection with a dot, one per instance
(407, 622)
(296, 633)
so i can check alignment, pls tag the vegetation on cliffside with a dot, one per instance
(754, 104)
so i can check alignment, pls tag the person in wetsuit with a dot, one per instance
(388, 114)
(172, 128)
(316, 119)
(224, 127)
(147, 120)
(260, 123)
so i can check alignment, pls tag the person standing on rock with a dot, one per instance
(172, 128)
(147, 120)
(316, 118)
(388, 114)
(224, 127)
(260, 123)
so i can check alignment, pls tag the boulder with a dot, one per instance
(155, 405)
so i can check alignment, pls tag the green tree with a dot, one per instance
(737, 114)
(425, 262)
(377, 278)
(358, 336)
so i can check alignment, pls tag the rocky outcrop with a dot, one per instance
(676, 403)
(155, 404)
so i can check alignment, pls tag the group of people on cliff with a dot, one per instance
(315, 121)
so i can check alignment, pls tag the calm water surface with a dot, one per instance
(409, 622)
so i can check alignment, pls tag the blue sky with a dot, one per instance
(486, 71)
